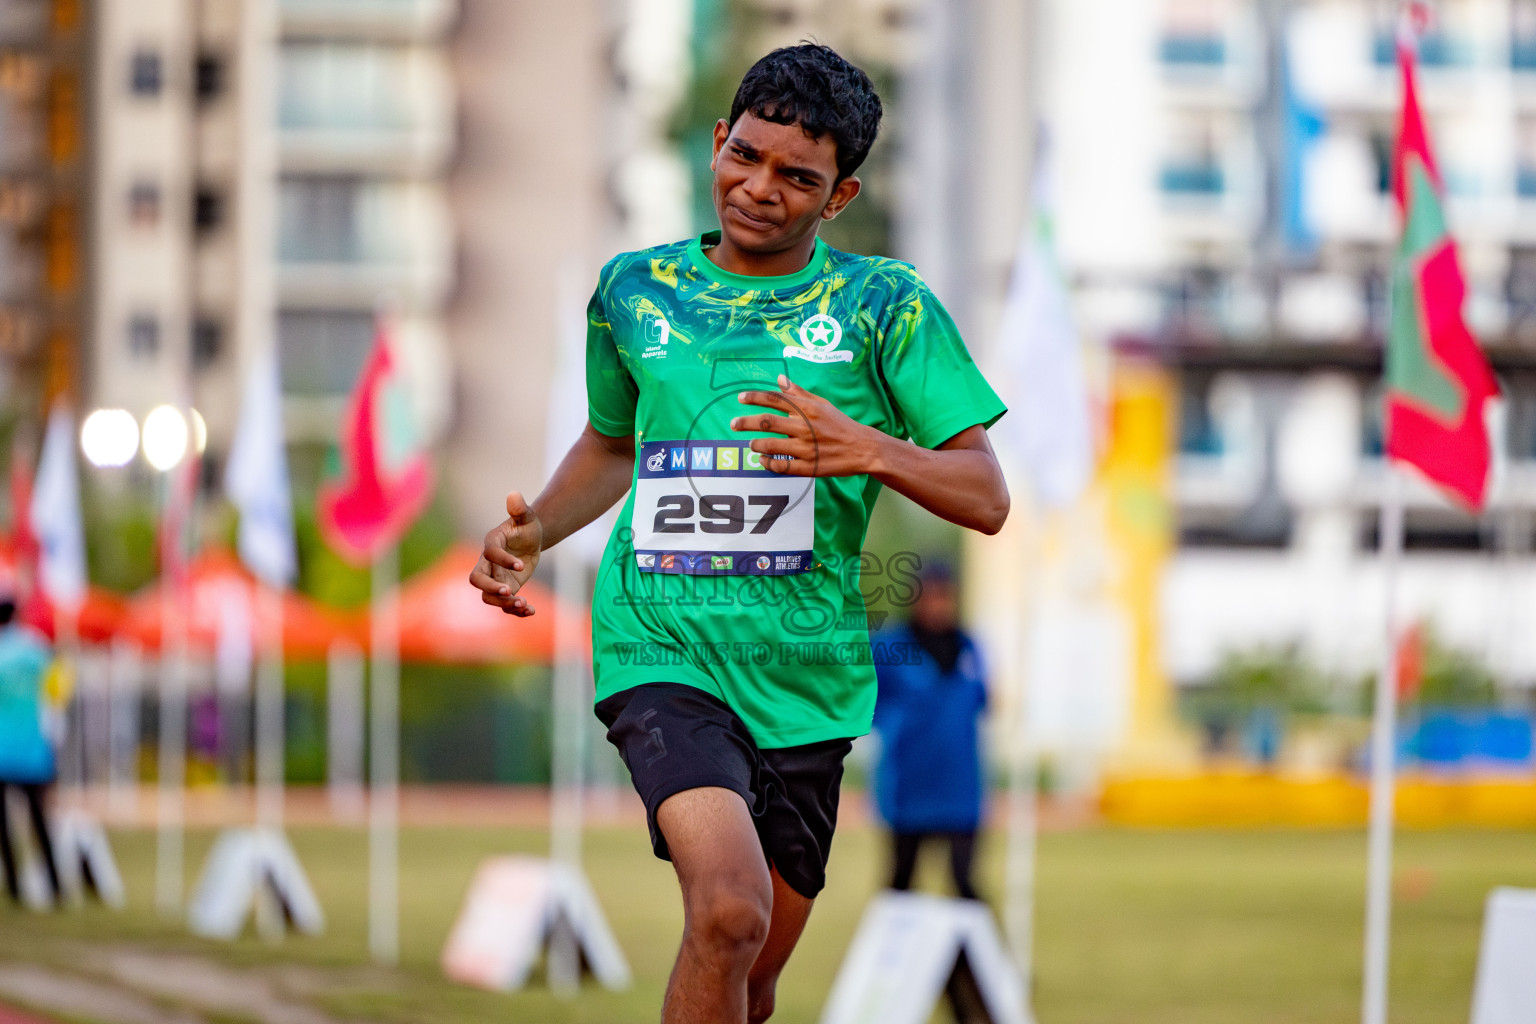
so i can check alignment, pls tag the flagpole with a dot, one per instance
(269, 740)
(1023, 841)
(564, 971)
(1378, 899)
(384, 761)
(172, 738)
(1024, 786)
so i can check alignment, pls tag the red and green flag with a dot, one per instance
(381, 479)
(1438, 381)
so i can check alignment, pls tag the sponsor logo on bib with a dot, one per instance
(819, 337)
(656, 463)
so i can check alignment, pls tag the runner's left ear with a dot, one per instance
(842, 194)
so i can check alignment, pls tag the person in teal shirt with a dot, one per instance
(26, 755)
(752, 390)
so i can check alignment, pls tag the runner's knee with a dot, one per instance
(730, 915)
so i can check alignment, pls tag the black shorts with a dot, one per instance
(675, 737)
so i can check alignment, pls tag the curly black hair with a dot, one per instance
(813, 86)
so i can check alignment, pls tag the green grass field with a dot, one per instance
(1156, 927)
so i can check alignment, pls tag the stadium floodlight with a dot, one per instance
(109, 437)
(165, 437)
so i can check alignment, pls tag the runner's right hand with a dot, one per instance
(510, 556)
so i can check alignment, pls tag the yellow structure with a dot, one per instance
(1236, 799)
(1067, 603)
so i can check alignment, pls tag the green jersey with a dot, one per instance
(720, 573)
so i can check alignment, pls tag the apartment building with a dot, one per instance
(1225, 210)
(210, 178)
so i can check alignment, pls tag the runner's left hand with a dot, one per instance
(821, 439)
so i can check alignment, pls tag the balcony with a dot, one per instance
(1436, 50)
(366, 19)
(1214, 66)
(342, 241)
(345, 106)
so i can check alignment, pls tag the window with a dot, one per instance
(144, 336)
(146, 75)
(208, 76)
(207, 209)
(207, 342)
(1194, 34)
(344, 86)
(318, 219)
(322, 351)
(144, 204)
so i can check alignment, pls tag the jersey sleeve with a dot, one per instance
(936, 386)
(611, 390)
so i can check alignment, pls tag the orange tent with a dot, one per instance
(100, 614)
(443, 620)
(99, 618)
(219, 583)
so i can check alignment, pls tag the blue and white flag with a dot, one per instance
(55, 514)
(1047, 433)
(256, 478)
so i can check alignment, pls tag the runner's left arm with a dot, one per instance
(958, 480)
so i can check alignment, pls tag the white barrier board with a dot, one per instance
(82, 855)
(85, 859)
(1505, 992)
(246, 865)
(513, 906)
(906, 949)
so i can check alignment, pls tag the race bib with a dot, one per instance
(713, 508)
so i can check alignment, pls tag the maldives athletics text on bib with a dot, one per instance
(721, 573)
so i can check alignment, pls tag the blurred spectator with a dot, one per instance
(928, 784)
(26, 757)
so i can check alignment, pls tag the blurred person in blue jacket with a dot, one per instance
(932, 694)
(26, 755)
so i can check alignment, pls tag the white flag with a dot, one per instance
(256, 478)
(1048, 430)
(55, 514)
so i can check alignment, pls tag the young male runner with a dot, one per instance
(731, 655)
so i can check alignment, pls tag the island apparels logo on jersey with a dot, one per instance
(655, 331)
(819, 337)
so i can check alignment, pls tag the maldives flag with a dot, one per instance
(381, 480)
(1437, 379)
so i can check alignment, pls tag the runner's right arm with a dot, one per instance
(593, 476)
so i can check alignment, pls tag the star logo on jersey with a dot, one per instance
(654, 331)
(819, 337)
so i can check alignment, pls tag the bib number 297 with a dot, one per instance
(718, 513)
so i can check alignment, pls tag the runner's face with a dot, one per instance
(774, 184)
